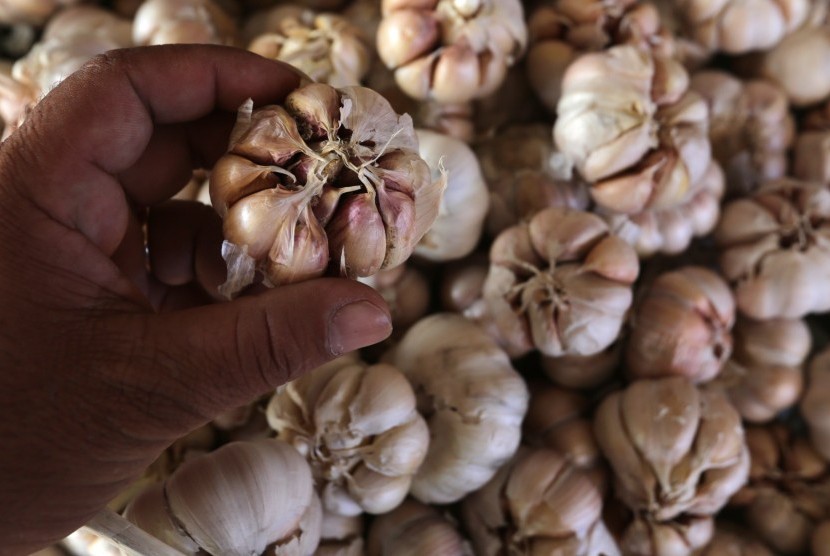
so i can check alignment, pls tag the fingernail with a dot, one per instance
(358, 325)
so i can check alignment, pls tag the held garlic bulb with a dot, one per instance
(473, 401)
(633, 129)
(560, 283)
(460, 220)
(450, 50)
(357, 426)
(329, 182)
(235, 501)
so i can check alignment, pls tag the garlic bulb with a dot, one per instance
(457, 229)
(450, 50)
(341, 535)
(728, 542)
(357, 426)
(682, 326)
(235, 501)
(773, 249)
(31, 12)
(182, 22)
(415, 529)
(325, 46)
(538, 504)
(633, 129)
(330, 181)
(675, 449)
(800, 64)
(644, 537)
(560, 283)
(473, 401)
(815, 406)
(750, 127)
(764, 375)
(671, 230)
(462, 283)
(737, 26)
(525, 174)
(584, 371)
(405, 290)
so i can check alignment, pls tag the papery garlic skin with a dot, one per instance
(560, 283)
(633, 129)
(330, 182)
(815, 406)
(457, 229)
(682, 326)
(750, 127)
(675, 449)
(671, 230)
(774, 249)
(764, 375)
(525, 174)
(358, 428)
(450, 50)
(182, 22)
(325, 46)
(737, 27)
(800, 64)
(415, 529)
(473, 401)
(234, 501)
(544, 503)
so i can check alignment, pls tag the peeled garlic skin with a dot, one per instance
(329, 183)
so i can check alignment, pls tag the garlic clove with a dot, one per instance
(357, 237)
(316, 110)
(397, 49)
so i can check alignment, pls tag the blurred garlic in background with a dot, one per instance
(406, 292)
(341, 535)
(415, 529)
(815, 406)
(183, 22)
(733, 542)
(645, 537)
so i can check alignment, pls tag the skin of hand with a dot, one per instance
(109, 352)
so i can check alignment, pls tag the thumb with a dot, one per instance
(199, 362)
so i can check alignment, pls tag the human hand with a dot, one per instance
(103, 363)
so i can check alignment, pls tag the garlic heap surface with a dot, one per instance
(325, 46)
(677, 453)
(539, 503)
(560, 283)
(764, 376)
(585, 371)
(645, 537)
(811, 152)
(473, 401)
(728, 542)
(182, 22)
(330, 181)
(415, 529)
(357, 426)
(738, 26)
(788, 492)
(31, 12)
(450, 50)
(815, 406)
(406, 292)
(775, 251)
(235, 501)
(633, 129)
(341, 535)
(682, 326)
(750, 127)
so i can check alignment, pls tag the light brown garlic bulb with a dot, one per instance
(560, 283)
(737, 26)
(415, 529)
(31, 12)
(800, 64)
(330, 181)
(682, 326)
(462, 282)
(774, 249)
(584, 371)
(457, 229)
(473, 401)
(235, 501)
(357, 426)
(671, 230)
(406, 292)
(681, 537)
(450, 50)
(562, 30)
(675, 449)
(764, 376)
(327, 47)
(525, 174)
(341, 535)
(750, 127)
(727, 542)
(821, 539)
(182, 22)
(815, 407)
(539, 503)
(633, 129)
(788, 492)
